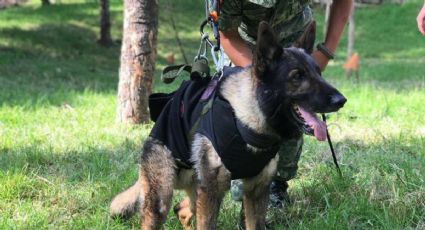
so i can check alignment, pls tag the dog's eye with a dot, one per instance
(296, 75)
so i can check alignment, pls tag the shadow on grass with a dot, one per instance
(86, 13)
(54, 62)
(66, 41)
(50, 55)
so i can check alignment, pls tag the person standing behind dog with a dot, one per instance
(421, 20)
(238, 24)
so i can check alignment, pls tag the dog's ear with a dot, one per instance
(267, 49)
(306, 41)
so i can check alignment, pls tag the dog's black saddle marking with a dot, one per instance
(228, 135)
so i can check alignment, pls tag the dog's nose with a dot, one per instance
(338, 100)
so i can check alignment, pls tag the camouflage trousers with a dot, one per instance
(289, 155)
(287, 32)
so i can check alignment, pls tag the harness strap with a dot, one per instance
(262, 141)
(199, 69)
(204, 110)
(170, 73)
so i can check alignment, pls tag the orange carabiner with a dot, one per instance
(214, 16)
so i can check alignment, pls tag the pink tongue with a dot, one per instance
(318, 125)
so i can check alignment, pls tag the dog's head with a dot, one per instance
(290, 85)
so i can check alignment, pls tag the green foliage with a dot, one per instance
(63, 157)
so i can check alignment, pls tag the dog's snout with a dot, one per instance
(338, 100)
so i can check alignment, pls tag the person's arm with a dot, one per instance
(235, 48)
(421, 20)
(340, 12)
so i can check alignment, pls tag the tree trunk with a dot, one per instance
(45, 2)
(351, 30)
(105, 24)
(138, 53)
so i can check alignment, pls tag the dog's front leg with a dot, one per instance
(213, 182)
(256, 197)
(255, 206)
(210, 193)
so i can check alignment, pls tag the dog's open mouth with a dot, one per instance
(310, 123)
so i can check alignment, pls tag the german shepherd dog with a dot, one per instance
(278, 97)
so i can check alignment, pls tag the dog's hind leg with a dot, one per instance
(185, 210)
(157, 177)
(213, 182)
(256, 196)
(184, 213)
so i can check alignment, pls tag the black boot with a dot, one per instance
(278, 194)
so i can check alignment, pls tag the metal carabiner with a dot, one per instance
(202, 51)
(218, 58)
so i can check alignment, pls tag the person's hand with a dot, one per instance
(321, 59)
(421, 20)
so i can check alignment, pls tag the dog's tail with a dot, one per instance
(126, 203)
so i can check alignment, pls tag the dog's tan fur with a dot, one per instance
(239, 92)
(126, 203)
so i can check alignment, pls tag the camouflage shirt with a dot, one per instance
(287, 17)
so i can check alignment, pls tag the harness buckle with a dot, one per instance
(200, 68)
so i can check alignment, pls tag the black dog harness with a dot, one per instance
(197, 107)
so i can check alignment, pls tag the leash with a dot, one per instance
(331, 147)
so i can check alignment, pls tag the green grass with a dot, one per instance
(63, 157)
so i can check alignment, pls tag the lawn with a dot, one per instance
(63, 157)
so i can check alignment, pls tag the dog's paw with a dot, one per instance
(183, 212)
